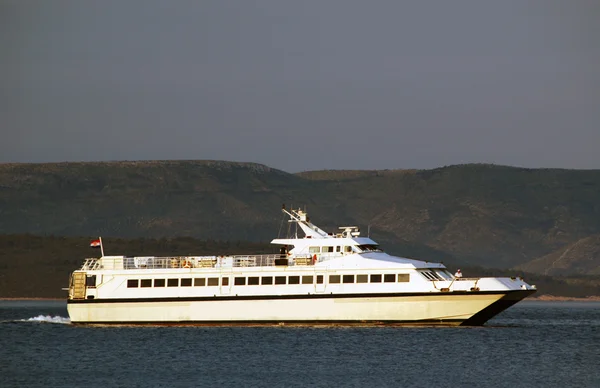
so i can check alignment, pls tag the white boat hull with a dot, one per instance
(471, 308)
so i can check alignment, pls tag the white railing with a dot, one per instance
(195, 262)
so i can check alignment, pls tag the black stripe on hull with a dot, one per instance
(428, 322)
(219, 298)
(497, 307)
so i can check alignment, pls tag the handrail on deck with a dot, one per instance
(185, 262)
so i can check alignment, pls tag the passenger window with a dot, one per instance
(334, 279)
(266, 280)
(224, 281)
(403, 277)
(307, 280)
(375, 278)
(199, 282)
(348, 249)
(314, 249)
(389, 278)
(362, 278)
(214, 281)
(145, 283)
(280, 280)
(239, 281)
(187, 282)
(253, 281)
(294, 280)
(159, 282)
(172, 282)
(319, 279)
(337, 249)
(348, 278)
(132, 283)
(90, 281)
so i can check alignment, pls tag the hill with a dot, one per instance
(480, 215)
(580, 257)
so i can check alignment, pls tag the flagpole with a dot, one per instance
(101, 247)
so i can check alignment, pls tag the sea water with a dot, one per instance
(532, 344)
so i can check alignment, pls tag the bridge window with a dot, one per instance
(369, 248)
(159, 282)
(431, 275)
(314, 249)
(327, 249)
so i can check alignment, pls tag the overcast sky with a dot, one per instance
(302, 85)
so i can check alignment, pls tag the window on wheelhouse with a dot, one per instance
(314, 249)
(369, 248)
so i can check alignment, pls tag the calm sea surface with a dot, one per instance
(533, 344)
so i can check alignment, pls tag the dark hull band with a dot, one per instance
(516, 294)
(429, 322)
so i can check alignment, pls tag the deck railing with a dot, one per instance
(195, 262)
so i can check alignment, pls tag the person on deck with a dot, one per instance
(458, 274)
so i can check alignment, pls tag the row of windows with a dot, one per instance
(268, 280)
(329, 249)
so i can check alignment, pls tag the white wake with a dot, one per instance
(48, 319)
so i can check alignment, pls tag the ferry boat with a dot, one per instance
(316, 278)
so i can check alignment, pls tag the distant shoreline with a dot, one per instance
(32, 298)
(552, 298)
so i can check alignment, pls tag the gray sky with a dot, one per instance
(302, 85)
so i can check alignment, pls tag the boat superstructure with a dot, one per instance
(316, 278)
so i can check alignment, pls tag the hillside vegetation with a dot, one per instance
(479, 215)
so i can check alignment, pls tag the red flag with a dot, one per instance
(95, 244)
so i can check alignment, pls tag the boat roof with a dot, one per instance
(377, 260)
